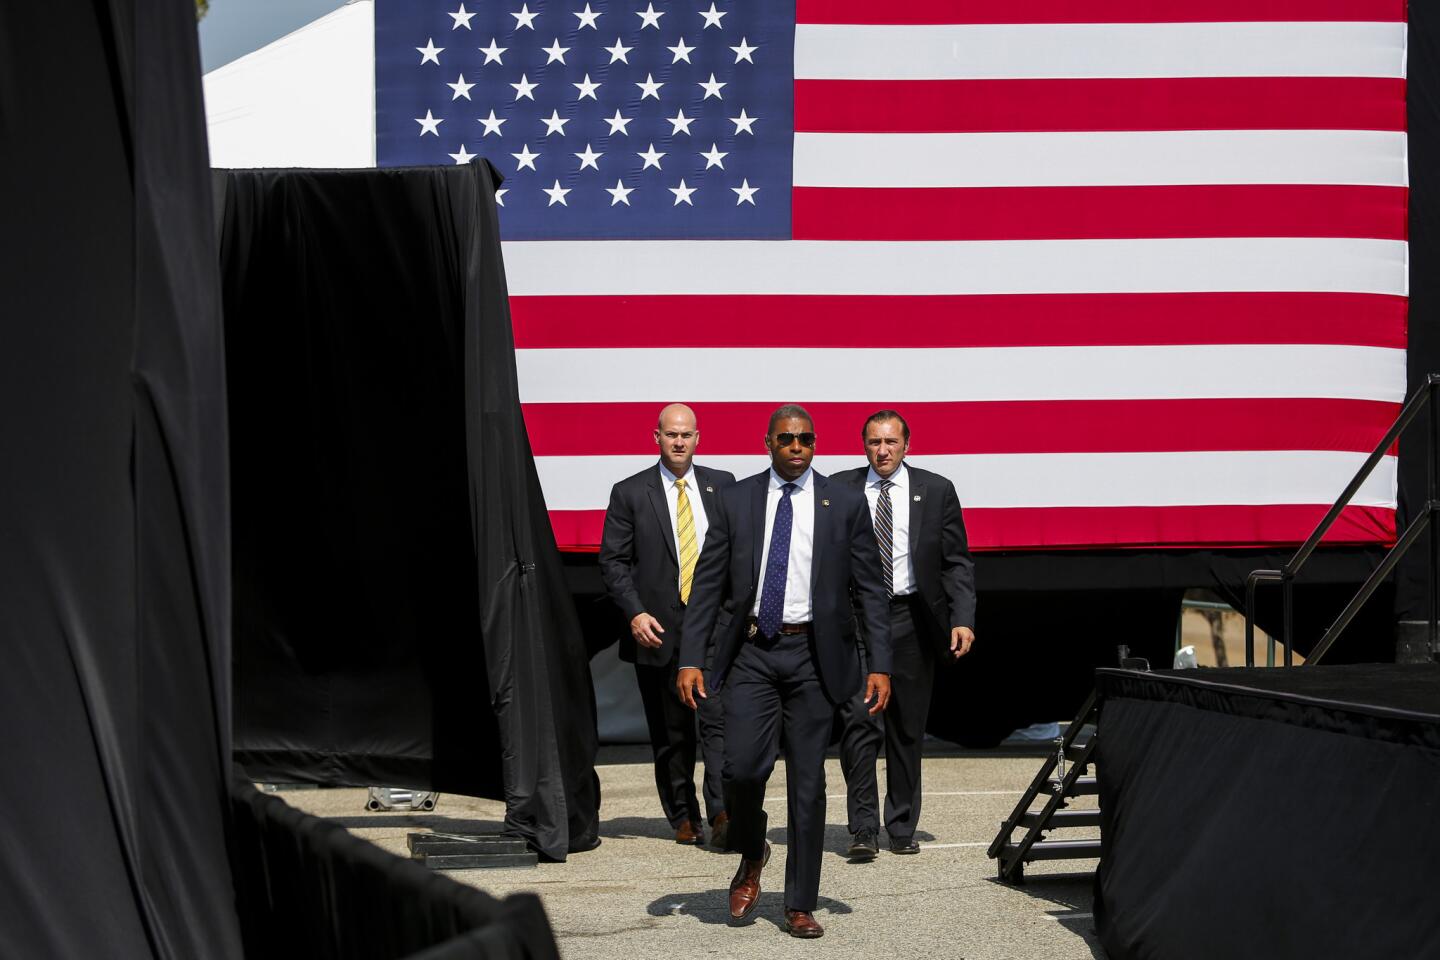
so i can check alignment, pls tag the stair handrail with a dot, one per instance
(1423, 398)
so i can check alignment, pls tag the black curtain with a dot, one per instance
(114, 540)
(401, 616)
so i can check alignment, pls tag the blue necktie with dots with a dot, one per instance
(777, 567)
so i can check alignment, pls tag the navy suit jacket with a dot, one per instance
(844, 581)
(939, 551)
(637, 556)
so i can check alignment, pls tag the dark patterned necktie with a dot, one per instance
(777, 567)
(885, 535)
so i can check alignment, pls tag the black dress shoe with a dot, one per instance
(904, 845)
(864, 846)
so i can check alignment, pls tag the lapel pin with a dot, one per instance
(709, 489)
(917, 498)
(824, 503)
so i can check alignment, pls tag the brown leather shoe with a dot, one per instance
(720, 831)
(745, 888)
(691, 834)
(801, 923)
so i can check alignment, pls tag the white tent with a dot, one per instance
(306, 100)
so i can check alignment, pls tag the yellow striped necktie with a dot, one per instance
(685, 532)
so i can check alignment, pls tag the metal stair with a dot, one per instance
(1060, 779)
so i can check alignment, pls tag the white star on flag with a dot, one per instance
(523, 88)
(680, 123)
(587, 89)
(524, 158)
(618, 52)
(619, 193)
(742, 123)
(554, 123)
(461, 88)
(500, 195)
(492, 124)
(492, 53)
(682, 193)
(681, 51)
(745, 193)
(557, 195)
(461, 18)
(463, 156)
(555, 52)
(711, 88)
(618, 123)
(429, 123)
(524, 18)
(649, 18)
(588, 158)
(430, 53)
(743, 51)
(712, 17)
(587, 18)
(651, 158)
(650, 88)
(715, 158)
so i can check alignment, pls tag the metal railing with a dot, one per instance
(1421, 399)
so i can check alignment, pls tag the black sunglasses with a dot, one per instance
(785, 439)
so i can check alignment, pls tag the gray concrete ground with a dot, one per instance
(642, 896)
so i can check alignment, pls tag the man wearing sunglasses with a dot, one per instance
(930, 580)
(773, 588)
(654, 530)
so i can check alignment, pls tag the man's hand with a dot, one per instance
(646, 630)
(877, 688)
(960, 640)
(690, 682)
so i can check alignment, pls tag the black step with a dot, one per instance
(466, 844)
(1063, 818)
(1076, 750)
(479, 861)
(1056, 850)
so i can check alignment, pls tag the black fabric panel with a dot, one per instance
(400, 613)
(1250, 832)
(113, 534)
(1422, 112)
(311, 889)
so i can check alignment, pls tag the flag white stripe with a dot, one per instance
(971, 374)
(736, 267)
(1082, 50)
(1052, 479)
(1120, 158)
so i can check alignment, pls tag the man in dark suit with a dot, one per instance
(930, 581)
(773, 592)
(654, 531)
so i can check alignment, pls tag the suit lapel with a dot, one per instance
(757, 524)
(821, 528)
(918, 499)
(656, 492)
(709, 496)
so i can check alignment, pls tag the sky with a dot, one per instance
(234, 28)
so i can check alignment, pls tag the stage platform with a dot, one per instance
(1269, 812)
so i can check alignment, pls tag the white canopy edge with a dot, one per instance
(306, 100)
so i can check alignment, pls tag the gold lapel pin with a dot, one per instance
(824, 503)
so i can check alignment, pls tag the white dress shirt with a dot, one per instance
(802, 545)
(904, 572)
(697, 509)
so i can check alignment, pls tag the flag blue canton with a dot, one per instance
(607, 118)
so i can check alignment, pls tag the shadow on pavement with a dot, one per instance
(713, 907)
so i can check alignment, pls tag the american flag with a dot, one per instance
(1135, 272)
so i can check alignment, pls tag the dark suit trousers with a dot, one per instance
(773, 697)
(902, 730)
(673, 744)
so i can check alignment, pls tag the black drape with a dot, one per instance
(114, 549)
(401, 616)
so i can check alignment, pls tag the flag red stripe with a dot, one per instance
(1098, 213)
(1172, 103)
(1097, 11)
(983, 320)
(1011, 426)
(1266, 525)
